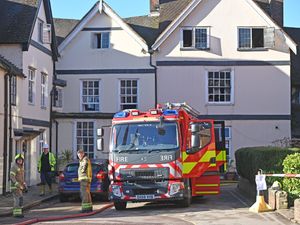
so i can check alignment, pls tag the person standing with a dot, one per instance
(46, 168)
(18, 185)
(85, 178)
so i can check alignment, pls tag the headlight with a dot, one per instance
(116, 190)
(174, 188)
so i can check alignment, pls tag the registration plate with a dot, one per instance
(144, 197)
(75, 180)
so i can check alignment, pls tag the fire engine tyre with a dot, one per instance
(187, 196)
(120, 205)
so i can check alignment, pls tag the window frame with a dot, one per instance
(44, 90)
(58, 98)
(81, 94)
(95, 40)
(231, 102)
(13, 90)
(193, 47)
(76, 146)
(120, 93)
(33, 81)
(251, 48)
(40, 31)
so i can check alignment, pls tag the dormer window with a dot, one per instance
(195, 38)
(255, 38)
(100, 40)
(44, 32)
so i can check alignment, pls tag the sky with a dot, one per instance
(76, 9)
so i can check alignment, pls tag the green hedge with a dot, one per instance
(291, 164)
(269, 159)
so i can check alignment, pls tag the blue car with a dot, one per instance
(70, 186)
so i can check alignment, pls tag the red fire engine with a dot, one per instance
(166, 153)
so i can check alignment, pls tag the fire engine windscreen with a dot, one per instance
(145, 136)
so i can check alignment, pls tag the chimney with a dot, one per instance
(276, 10)
(154, 7)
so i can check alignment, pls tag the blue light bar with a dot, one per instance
(169, 112)
(121, 114)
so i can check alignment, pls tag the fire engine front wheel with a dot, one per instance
(120, 205)
(187, 195)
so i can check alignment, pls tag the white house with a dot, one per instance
(229, 59)
(26, 41)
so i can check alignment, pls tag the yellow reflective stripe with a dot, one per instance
(207, 185)
(221, 156)
(206, 192)
(184, 156)
(207, 156)
(188, 166)
(13, 173)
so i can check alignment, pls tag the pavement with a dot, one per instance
(31, 199)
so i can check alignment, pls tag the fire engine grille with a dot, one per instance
(145, 174)
(151, 191)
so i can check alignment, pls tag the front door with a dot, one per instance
(221, 145)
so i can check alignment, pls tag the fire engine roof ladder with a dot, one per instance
(184, 106)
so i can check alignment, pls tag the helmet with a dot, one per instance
(45, 145)
(19, 156)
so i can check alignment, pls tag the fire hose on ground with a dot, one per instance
(56, 218)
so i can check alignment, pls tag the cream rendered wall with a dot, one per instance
(109, 91)
(223, 17)
(124, 53)
(2, 74)
(258, 90)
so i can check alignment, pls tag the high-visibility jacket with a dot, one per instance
(16, 177)
(52, 162)
(85, 169)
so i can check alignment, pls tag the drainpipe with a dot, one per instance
(5, 134)
(56, 143)
(50, 125)
(155, 77)
(10, 147)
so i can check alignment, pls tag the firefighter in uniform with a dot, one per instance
(18, 185)
(46, 167)
(85, 178)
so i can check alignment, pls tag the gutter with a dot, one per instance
(151, 51)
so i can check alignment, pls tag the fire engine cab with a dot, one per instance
(164, 154)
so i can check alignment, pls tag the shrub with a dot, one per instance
(291, 165)
(269, 159)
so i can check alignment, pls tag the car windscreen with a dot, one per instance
(73, 168)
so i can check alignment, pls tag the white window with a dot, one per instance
(90, 96)
(58, 98)
(128, 94)
(220, 87)
(41, 142)
(195, 38)
(40, 30)
(13, 90)
(255, 38)
(100, 40)
(44, 32)
(31, 85)
(44, 89)
(85, 137)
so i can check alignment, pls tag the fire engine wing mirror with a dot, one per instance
(100, 144)
(100, 132)
(195, 139)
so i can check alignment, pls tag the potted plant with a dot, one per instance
(231, 171)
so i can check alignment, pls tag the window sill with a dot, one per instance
(252, 49)
(31, 104)
(194, 49)
(44, 107)
(219, 104)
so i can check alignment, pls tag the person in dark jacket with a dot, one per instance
(46, 167)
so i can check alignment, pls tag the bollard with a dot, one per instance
(272, 198)
(260, 205)
(281, 200)
(297, 210)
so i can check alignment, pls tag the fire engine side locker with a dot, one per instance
(209, 182)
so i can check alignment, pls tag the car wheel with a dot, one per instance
(120, 205)
(63, 198)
